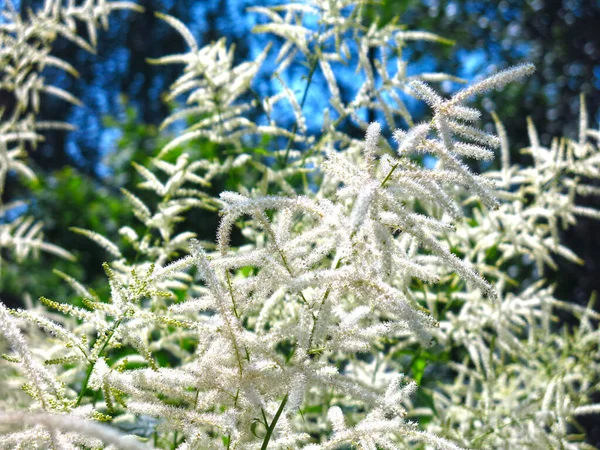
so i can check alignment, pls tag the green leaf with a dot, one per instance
(418, 368)
(255, 429)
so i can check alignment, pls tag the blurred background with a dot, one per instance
(124, 103)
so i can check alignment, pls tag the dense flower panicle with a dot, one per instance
(339, 41)
(496, 81)
(214, 86)
(338, 320)
(26, 45)
(537, 200)
(446, 122)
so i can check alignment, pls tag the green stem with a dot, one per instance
(389, 175)
(267, 227)
(316, 317)
(174, 440)
(236, 349)
(237, 316)
(237, 394)
(271, 427)
(313, 68)
(228, 276)
(88, 373)
(92, 363)
(512, 422)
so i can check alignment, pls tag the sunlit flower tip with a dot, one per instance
(424, 92)
(411, 140)
(496, 81)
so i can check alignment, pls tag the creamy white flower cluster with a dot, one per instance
(25, 51)
(513, 352)
(375, 304)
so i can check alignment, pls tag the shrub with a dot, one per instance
(367, 300)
